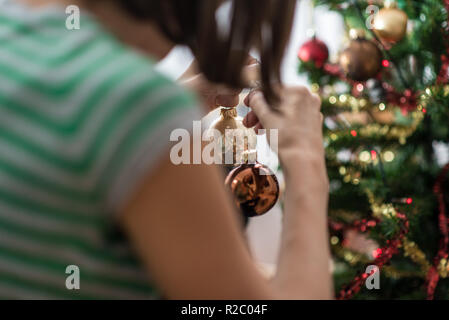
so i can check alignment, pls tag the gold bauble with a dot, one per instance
(390, 23)
(362, 59)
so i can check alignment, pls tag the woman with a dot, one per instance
(85, 122)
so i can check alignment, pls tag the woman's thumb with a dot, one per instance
(256, 101)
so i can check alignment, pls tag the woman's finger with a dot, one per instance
(223, 90)
(250, 120)
(252, 75)
(257, 102)
(227, 100)
(251, 60)
(248, 97)
(258, 127)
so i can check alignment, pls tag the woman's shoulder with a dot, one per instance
(43, 61)
(97, 107)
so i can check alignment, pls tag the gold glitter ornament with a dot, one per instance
(234, 140)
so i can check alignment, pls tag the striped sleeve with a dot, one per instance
(141, 139)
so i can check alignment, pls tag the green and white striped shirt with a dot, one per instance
(82, 118)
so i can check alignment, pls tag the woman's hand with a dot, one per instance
(212, 95)
(216, 95)
(300, 140)
(297, 118)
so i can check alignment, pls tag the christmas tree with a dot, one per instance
(386, 106)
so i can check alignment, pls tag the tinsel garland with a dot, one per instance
(440, 260)
(440, 267)
(438, 270)
(443, 76)
(384, 256)
(385, 253)
(412, 250)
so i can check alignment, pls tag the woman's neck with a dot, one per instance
(144, 36)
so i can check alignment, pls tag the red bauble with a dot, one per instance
(314, 51)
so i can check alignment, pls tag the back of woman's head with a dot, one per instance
(263, 25)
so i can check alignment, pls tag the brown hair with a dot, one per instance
(260, 24)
